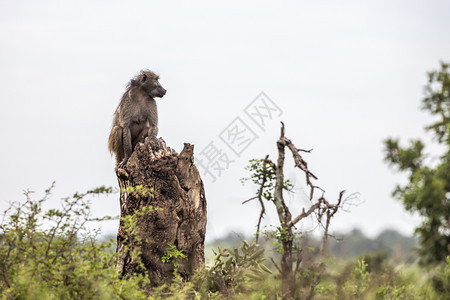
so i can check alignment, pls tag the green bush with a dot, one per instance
(51, 255)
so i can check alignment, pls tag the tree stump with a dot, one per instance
(168, 183)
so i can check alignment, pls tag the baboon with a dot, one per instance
(136, 117)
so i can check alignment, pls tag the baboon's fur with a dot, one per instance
(136, 117)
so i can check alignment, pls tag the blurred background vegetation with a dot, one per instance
(391, 245)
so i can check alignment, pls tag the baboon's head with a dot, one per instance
(148, 82)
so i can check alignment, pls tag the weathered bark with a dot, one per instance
(178, 216)
(285, 217)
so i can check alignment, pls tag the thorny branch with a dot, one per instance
(301, 164)
(322, 206)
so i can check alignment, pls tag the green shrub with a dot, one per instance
(51, 255)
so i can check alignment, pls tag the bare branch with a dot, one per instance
(299, 260)
(330, 210)
(299, 161)
(261, 216)
(304, 214)
(350, 201)
(313, 287)
(276, 266)
(248, 200)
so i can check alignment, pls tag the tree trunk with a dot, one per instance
(287, 274)
(165, 194)
(288, 282)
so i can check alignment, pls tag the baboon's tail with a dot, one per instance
(115, 143)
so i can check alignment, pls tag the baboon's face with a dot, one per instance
(152, 86)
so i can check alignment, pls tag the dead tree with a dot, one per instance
(320, 208)
(162, 204)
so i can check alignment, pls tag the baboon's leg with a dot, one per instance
(127, 146)
(140, 138)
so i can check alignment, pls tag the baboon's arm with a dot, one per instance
(153, 121)
(152, 131)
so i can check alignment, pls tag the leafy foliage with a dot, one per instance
(173, 255)
(263, 174)
(360, 278)
(428, 189)
(51, 255)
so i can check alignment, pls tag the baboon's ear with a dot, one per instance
(144, 77)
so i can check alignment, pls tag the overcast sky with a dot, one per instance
(344, 74)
